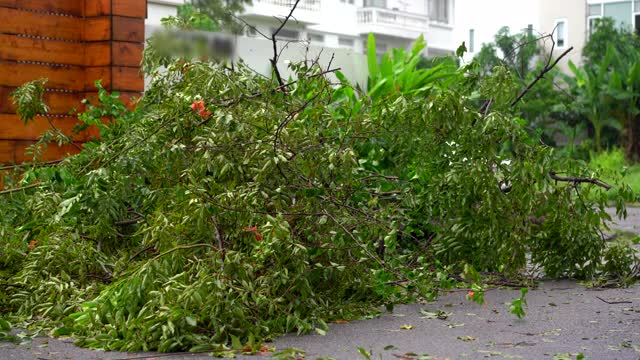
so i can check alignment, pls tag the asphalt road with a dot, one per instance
(562, 320)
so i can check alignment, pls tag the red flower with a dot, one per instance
(204, 112)
(258, 237)
(197, 105)
(470, 294)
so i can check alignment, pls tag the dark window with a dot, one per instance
(638, 24)
(376, 3)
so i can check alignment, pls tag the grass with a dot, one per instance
(613, 161)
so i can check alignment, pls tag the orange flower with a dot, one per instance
(197, 105)
(32, 244)
(470, 294)
(204, 112)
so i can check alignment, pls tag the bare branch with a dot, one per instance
(542, 73)
(576, 180)
(274, 60)
(9, 191)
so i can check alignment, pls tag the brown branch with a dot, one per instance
(140, 252)
(129, 222)
(614, 302)
(542, 73)
(576, 180)
(9, 191)
(48, 163)
(274, 60)
(48, 117)
(218, 235)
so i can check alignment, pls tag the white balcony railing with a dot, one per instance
(308, 5)
(378, 16)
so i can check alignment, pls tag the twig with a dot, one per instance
(129, 222)
(109, 274)
(48, 163)
(576, 180)
(140, 252)
(233, 101)
(274, 60)
(48, 117)
(251, 27)
(218, 235)
(542, 73)
(614, 302)
(9, 191)
(292, 115)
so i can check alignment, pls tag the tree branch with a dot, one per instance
(274, 60)
(576, 180)
(542, 73)
(9, 191)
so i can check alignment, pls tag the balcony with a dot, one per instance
(392, 22)
(307, 11)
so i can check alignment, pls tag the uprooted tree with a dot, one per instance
(229, 207)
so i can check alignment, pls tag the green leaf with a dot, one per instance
(372, 57)
(364, 353)
(461, 50)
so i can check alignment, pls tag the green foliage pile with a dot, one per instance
(227, 209)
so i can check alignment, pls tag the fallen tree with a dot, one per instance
(229, 208)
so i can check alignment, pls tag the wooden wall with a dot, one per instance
(72, 43)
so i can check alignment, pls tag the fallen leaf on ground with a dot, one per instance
(438, 314)
(466, 338)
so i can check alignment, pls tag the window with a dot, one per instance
(381, 48)
(439, 11)
(315, 38)
(561, 33)
(530, 30)
(347, 1)
(287, 34)
(593, 22)
(618, 11)
(636, 16)
(472, 41)
(376, 3)
(594, 13)
(345, 42)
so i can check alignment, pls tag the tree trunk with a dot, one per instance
(632, 138)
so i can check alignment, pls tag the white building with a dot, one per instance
(477, 21)
(346, 23)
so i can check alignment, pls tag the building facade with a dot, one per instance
(574, 20)
(477, 22)
(567, 21)
(346, 23)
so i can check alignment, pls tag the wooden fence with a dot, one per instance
(72, 43)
